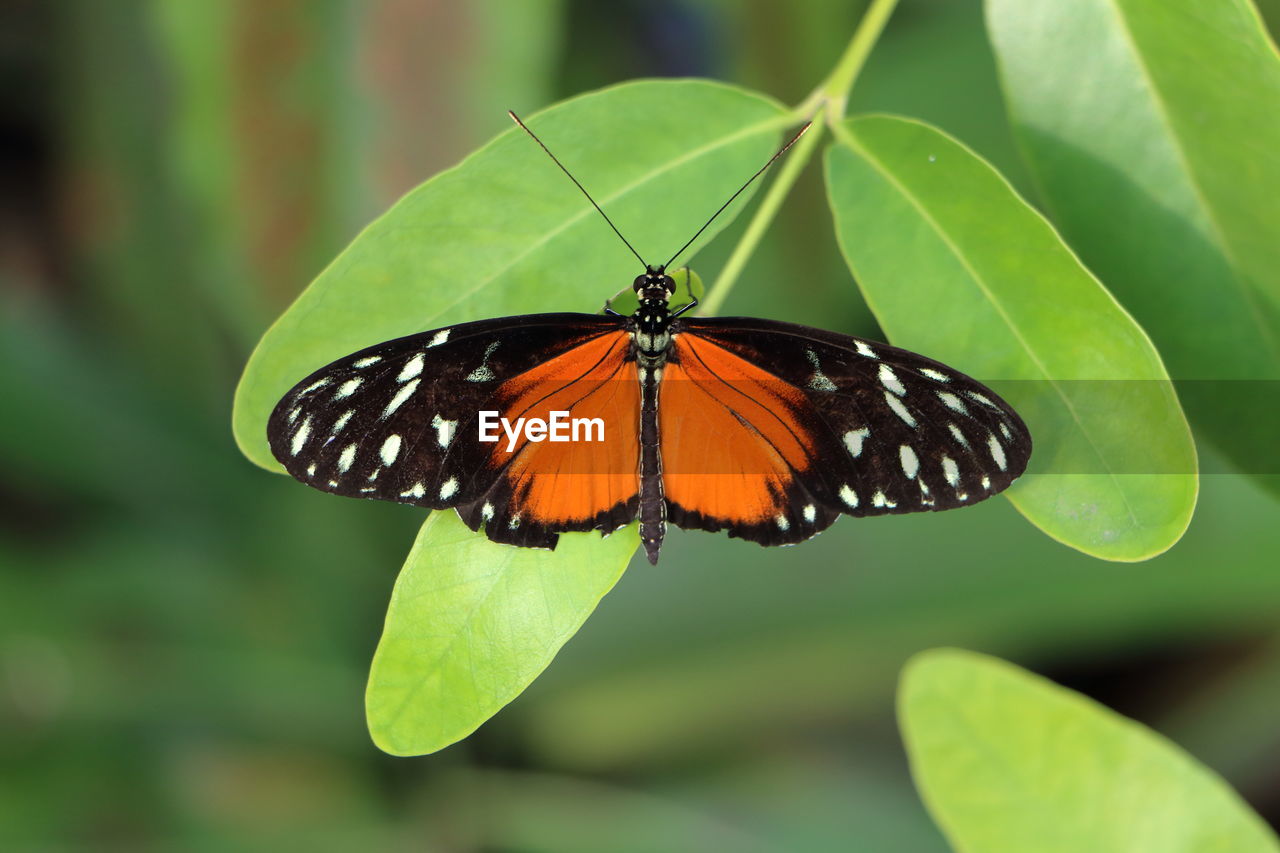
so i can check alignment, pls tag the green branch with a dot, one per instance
(825, 106)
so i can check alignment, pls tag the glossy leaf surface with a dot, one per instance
(472, 623)
(506, 233)
(955, 265)
(1006, 760)
(1152, 129)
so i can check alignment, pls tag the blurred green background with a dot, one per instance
(184, 638)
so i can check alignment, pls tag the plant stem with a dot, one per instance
(835, 89)
(778, 190)
(826, 105)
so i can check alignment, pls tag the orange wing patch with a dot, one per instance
(732, 440)
(575, 484)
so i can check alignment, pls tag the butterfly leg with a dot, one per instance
(684, 308)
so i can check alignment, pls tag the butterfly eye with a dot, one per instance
(641, 282)
(669, 283)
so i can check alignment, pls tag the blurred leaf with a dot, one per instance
(1153, 130)
(956, 266)
(1009, 761)
(1230, 720)
(506, 233)
(126, 234)
(518, 52)
(541, 812)
(472, 622)
(860, 599)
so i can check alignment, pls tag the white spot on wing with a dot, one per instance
(878, 499)
(416, 491)
(853, 440)
(997, 452)
(514, 522)
(958, 435)
(910, 462)
(311, 470)
(483, 373)
(899, 409)
(810, 513)
(783, 524)
(300, 437)
(319, 383)
(951, 471)
(390, 450)
(935, 375)
(444, 430)
(412, 368)
(405, 392)
(890, 380)
(346, 458)
(819, 380)
(449, 488)
(974, 395)
(864, 350)
(952, 402)
(347, 388)
(439, 337)
(486, 512)
(293, 416)
(849, 496)
(986, 483)
(1004, 430)
(342, 421)
(367, 361)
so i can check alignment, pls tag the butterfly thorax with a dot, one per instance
(650, 324)
(651, 331)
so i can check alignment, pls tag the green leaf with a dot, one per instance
(1006, 760)
(472, 623)
(956, 266)
(505, 232)
(1152, 128)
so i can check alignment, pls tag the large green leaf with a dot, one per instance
(504, 232)
(1152, 128)
(1006, 760)
(472, 623)
(954, 264)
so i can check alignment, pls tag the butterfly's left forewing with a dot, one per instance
(399, 421)
(823, 424)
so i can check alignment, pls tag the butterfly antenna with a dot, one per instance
(781, 151)
(525, 128)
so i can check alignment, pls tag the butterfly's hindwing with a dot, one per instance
(398, 421)
(884, 430)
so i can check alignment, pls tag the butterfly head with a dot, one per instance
(655, 284)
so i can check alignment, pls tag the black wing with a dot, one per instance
(880, 429)
(384, 423)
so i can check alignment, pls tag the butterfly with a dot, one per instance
(536, 425)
